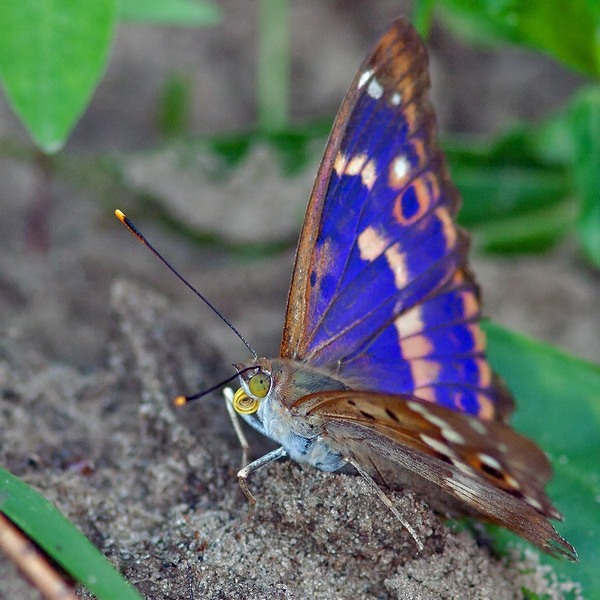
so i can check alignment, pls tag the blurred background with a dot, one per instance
(179, 135)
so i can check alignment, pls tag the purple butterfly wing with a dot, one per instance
(381, 292)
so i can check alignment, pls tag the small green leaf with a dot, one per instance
(558, 405)
(184, 13)
(52, 55)
(61, 540)
(564, 29)
(173, 112)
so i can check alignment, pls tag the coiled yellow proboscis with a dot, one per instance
(244, 404)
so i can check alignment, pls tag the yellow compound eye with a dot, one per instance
(259, 385)
(243, 404)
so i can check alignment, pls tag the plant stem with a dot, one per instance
(273, 65)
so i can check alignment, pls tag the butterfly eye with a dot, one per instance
(244, 404)
(259, 385)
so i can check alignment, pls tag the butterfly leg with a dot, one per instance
(243, 473)
(377, 490)
(235, 421)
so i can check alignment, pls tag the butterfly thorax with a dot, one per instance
(274, 386)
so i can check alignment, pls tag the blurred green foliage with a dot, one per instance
(540, 181)
(53, 54)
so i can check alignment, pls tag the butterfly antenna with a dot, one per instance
(182, 400)
(129, 224)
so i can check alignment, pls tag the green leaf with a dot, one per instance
(422, 15)
(52, 55)
(184, 13)
(564, 29)
(584, 121)
(495, 187)
(573, 138)
(513, 198)
(532, 231)
(294, 147)
(61, 540)
(558, 405)
(173, 112)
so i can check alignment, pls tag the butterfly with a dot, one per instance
(382, 362)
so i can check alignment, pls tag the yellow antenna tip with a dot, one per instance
(180, 401)
(120, 215)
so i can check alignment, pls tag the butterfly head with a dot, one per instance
(256, 382)
(268, 386)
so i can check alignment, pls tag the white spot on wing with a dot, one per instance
(340, 164)
(371, 244)
(449, 434)
(364, 77)
(397, 262)
(490, 461)
(511, 481)
(463, 468)
(418, 408)
(533, 503)
(400, 167)
(375, 89)
(452, 436)
(416, 346)
(427, 393)
(438, 446)
(395, 99)
(478, 426)
(356, 164)
(369, 175)
(410, 322)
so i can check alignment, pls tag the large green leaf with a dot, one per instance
(564, 29)
(558, 405)
(61, 540)
(52, 55)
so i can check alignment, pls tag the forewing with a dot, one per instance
(380, 290)
(382, 181)
(487, 468)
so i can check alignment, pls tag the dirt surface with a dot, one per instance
(96, 338)
(156, 491)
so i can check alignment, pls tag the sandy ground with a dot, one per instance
(96, 338)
